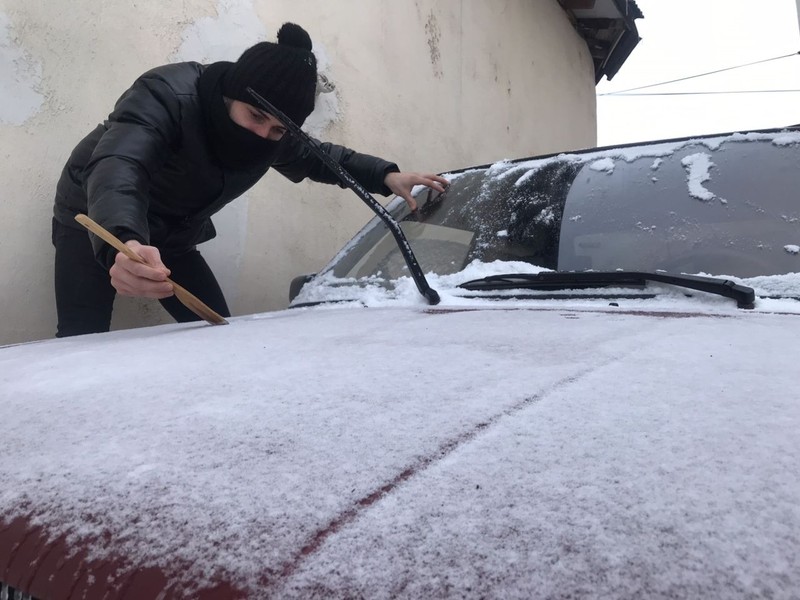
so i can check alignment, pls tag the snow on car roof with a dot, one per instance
(413, 451)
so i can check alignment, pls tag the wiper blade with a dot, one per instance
(744, 296)
(350, 182)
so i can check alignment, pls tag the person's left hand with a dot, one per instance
(403, 182)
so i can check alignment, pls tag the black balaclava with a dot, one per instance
(284, 73)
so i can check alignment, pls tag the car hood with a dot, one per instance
(411, 452)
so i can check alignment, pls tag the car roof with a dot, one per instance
(556, 449)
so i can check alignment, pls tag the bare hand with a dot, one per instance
(130, 278)
(403, 182)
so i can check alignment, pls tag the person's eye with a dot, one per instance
(257, 117)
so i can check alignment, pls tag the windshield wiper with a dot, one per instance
(431, 295)
(744, 296)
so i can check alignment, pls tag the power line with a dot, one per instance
(704, 93)
(641, 87)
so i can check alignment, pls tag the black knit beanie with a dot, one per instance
(284, 73)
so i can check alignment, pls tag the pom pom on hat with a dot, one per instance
(284, 73)
(293, 35)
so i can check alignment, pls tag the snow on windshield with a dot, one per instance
(698, 167)
(775, 293)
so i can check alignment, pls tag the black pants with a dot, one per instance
(85, 296)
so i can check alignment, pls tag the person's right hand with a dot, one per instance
(130, 278)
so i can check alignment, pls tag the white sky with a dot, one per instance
(681, 38)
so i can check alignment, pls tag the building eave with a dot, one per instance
(609, 29)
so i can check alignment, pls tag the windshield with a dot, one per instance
(500, 212)
(724, 205)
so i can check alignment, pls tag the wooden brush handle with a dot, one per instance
(108, 237)
(191, 301)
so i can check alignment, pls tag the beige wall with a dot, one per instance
(432, 84)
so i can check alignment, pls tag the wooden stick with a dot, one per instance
(189, 300)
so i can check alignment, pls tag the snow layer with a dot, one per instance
(423, 452)
(697, 167)
(605, 165)
(372, 292)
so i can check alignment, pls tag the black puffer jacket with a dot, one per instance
(148, 173)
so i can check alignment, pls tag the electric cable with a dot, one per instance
(704, 93)
(641, 87)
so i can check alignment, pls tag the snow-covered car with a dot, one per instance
(602, 404)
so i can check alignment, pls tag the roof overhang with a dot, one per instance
(609, 28)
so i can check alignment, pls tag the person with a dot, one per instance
(180, 144)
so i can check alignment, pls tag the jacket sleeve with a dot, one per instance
(140, 133)
(297, 162)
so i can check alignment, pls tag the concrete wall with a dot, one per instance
(431, 84)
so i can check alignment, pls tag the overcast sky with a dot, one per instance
(681, 38)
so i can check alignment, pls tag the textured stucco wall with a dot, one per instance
(431, 84)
